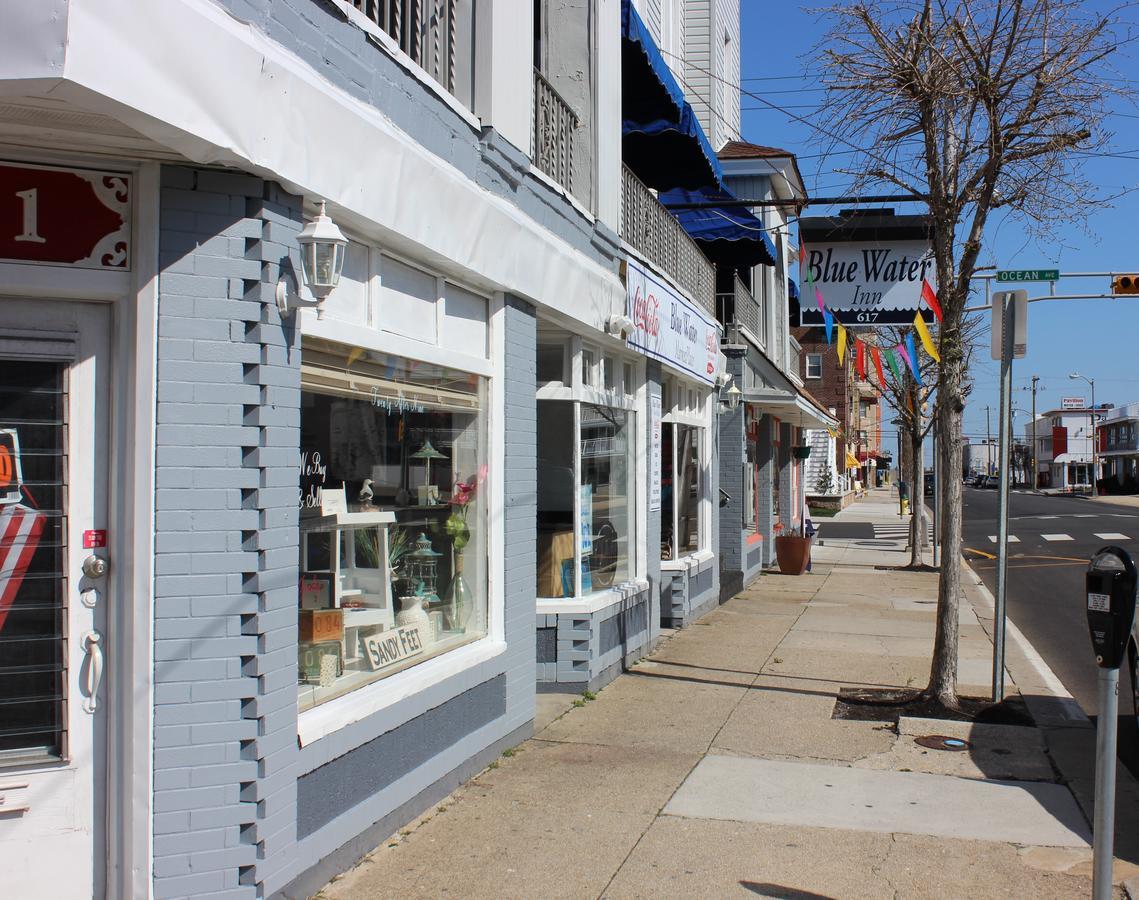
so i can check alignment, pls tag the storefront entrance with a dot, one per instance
(55, 657)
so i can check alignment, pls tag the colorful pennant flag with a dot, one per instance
(913, 358)
(926, 339)
(930, 298)
(877, 358)
(802, 252)
(828, 323)
(819, 299)
(841, 343)
(893, 362)
(860, 358)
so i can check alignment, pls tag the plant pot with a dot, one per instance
(793, 553)
(803, 452)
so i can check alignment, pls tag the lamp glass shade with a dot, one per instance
(322, 254)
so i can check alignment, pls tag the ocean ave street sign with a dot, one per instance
(1007, 275)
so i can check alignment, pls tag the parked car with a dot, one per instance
(991, 481)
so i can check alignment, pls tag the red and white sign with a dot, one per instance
(669, 327)
(96, 537)
(11, 475)
(20, 529)
(1072, 403)
(65, 217)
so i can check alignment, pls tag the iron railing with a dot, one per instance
(425, 30)
(747, 311)
(654, 231)
(555, 126)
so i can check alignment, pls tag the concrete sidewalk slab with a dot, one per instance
(795, 793)
(706, 858)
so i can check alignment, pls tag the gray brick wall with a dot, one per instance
(521, 506)
(730, 459)
(225, 536)
(341, 52)
(765, 454)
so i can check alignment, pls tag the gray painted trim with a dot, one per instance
(332, 790)
(351, 852)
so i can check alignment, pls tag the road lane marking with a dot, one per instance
(980, 553)
(1084, 515)
(1057, 537)
(1012, 539)
(1111, 536)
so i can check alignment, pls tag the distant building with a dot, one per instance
(980, 457)
(1064, 455)
(1119, 449)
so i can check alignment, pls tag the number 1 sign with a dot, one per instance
(67, 217)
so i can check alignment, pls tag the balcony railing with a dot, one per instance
(793, 354)
(740, 308)
(429, 32)
(654, 231)
(555, 126)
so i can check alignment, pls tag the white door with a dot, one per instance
(55, 375)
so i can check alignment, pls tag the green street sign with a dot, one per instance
(1007, 275)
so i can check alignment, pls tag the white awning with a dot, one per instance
(789, 407)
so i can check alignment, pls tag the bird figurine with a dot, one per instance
(365, 495)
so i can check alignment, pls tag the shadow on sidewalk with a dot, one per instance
(780, 892)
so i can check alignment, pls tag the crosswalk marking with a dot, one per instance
(1112, 536)
(1012, 539)
(1057, 537)
(1083, 515)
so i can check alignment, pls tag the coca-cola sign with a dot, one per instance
(68, 217)
(668, 326)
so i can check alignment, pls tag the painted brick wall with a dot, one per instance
(730, 474)
(225, 535)
(521, 506)
(341, 52)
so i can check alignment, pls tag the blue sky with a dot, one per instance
(1094, 337)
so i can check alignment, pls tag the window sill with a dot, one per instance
(593, 603)
(692, 561)
(323, 720)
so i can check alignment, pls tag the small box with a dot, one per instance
(318, 625)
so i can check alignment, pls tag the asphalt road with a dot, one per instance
(1055, 536)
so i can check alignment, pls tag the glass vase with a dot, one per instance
(457, 600)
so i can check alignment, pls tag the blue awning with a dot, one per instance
(663, 142)
(728, 235)
(792, 289)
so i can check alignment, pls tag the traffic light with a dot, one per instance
(1125, 284)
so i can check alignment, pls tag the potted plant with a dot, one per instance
(803, 452)
(793, 553)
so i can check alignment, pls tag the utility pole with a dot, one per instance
(988, 444)
(1032, 484)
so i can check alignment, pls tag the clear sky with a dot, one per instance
(1097, 338)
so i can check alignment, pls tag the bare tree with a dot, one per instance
(970, 106)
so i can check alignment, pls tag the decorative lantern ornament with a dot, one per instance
(322, 254)
(421, 566)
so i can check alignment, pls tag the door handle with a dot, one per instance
(91, 646)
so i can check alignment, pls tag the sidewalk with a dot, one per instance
(715, 767)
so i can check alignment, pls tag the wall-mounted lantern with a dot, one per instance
(322, 254)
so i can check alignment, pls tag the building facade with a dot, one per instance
(1118, 436)
(1064, 444)
(289, 561)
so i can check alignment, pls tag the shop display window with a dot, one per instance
(586, 461)
(393, 516)
(681, 490)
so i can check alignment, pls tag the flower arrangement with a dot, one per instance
(462, 496)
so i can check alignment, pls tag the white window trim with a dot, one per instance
(592, 603)
(347, 709)
(340, 712)
(618, 398)
(807, 357)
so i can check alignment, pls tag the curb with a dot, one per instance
(1048, 701)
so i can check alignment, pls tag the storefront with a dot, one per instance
(592, 588)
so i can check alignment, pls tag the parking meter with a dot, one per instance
(1110, 584)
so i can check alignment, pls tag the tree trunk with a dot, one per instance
(950, 409)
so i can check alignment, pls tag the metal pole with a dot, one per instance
(988, 443)
(1103, 830)
(1035, 476)
(1095, 442)
(936, 491)
(1008, 316)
